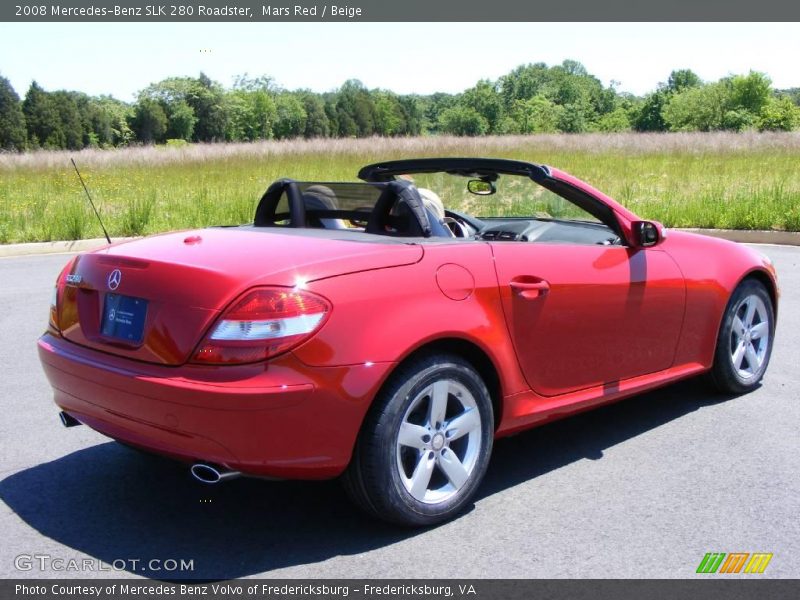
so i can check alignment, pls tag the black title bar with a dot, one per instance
(709, 588)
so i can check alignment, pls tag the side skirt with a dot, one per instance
(528, 409)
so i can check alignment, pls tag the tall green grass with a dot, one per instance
(738, 181)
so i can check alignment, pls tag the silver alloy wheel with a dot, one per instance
(439, 441)
(750, 337)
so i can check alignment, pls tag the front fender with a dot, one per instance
(712, 269)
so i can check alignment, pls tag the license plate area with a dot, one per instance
(123, 318)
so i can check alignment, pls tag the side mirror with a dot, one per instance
(481, 187)
(647, 233)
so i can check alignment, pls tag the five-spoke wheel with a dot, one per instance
(426, 443)
(750, 336)
(745, 339)
(439, 441)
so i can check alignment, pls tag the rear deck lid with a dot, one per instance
(153, 299)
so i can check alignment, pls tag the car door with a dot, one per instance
(588, 315)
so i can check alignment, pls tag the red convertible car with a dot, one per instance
(389, 330)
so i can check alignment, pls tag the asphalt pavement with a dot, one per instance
(641, 489)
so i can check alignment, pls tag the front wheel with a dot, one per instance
(425, 445)
(745, 339)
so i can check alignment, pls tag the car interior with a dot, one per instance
(408, 207)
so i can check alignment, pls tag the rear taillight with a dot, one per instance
(53, 323)
(264, 323)
(58, 292)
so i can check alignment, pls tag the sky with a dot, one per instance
(122, 58)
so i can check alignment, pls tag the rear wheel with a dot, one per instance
(745, 339)
(425, 445)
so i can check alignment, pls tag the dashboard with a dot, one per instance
(546, 230)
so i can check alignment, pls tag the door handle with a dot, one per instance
(530, 289)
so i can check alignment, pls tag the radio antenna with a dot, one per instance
(89, 196)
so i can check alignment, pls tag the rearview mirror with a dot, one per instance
(647, 233)
(481, 187)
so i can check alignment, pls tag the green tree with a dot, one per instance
(750, 92)
(615, 121)
(72, 124)
(12, 120)
(573, 67)
(779, 114)
(149, 121)
(534, 115)
(251, 114)
(205, 97)
(462, 121)
(355, 110)
(364, 114)
(573, 119)
(698, 109)
(434, 105)
(738, 119)
(291, 117)
(181, 121)
(236, 103)
(98, 125)
(263, 114)
(649, 116)
(524, 82)
(485, 99)
(389, 115)
(683, 79)
(413, 117)
(345, 124)
(317, 124)
(119, 115)
(42, 119)
(569, 83)
(568, 86)
(331, 111)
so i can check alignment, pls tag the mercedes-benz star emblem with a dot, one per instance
(114, 279)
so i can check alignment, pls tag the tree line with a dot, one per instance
(533, 98)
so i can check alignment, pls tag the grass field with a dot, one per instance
(725, 180)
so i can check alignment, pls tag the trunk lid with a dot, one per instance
(153, 299)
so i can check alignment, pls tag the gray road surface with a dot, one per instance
(643, 488)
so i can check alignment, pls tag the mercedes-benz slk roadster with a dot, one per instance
(388, 330)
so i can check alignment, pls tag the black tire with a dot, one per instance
(725, 375)
(378, 475)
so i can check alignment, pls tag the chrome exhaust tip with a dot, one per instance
(67, 420)
(210, 474)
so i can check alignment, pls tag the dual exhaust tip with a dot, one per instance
(202, 472)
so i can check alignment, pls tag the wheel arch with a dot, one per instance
(768, 281)
(372, 487)
(470, 351)
(724, 374)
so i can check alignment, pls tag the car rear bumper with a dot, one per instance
(276, 419)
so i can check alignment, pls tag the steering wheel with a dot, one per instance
(612, 241)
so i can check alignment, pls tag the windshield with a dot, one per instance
(516, 196)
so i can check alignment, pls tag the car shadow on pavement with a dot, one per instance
(549, 447)
(115, 504)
